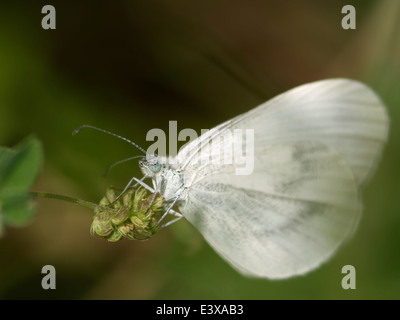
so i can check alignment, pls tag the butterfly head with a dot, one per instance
(150, 165)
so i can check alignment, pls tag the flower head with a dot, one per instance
(133, 216)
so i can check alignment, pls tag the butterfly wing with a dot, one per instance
(307, 208)
(343, 114)
(313, 147)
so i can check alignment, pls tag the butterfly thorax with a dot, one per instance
(167, 179)
(170, 183)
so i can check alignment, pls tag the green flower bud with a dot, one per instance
(114, 236)
(104, 202)
(110, 195)
(120, 215)
(101, 228)
(127, 198)
(127, 231)
(131, 216)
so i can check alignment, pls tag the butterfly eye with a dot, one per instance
(141, 164)
(155, 167)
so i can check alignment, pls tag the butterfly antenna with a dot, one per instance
(77, 130)
(105, 174)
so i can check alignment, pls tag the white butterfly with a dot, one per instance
(314, 146)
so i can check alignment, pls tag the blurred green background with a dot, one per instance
(130, 66)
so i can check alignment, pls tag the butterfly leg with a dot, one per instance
(144, 185)
(171, 222)
(174, 213)
(155, 191)
(137, 183)
(168, 210)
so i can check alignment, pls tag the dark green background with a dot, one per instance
(130, 66)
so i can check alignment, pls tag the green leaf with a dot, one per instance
(18, 209)
(19, 168)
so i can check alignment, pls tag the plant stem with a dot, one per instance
(80, 202)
